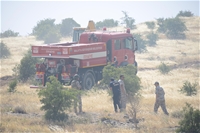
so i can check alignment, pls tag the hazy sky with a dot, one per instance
(22, 16)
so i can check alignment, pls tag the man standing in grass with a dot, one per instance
(160, 99)
(115, 87)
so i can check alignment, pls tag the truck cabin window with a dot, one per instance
(128, 43)
(117, 44)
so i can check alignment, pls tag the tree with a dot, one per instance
(106, 23)
(150, 25)
(41, 31)
(173, 28)
(161, 24)
(56, 100)
(52, 37)
(185, 14)
(132, 85)
(152, 38)
(9, 33)
(67, 25)
(132, 82)
(26, 68)
(141, 43)
(5, 52)
(191, 121)
(128, 20)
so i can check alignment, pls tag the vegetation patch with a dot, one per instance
(163, 68)
(189, 88)
(4, 51)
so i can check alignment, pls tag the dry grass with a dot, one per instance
(171, 52)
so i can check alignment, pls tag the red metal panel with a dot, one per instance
(65, 51)
(93, 62)
(87, 48)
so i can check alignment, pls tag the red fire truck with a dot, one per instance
(86, 57)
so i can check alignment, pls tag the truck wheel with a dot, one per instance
(88, 81)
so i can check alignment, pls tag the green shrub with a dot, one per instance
(185, 14)
(173, 28)
(141, 43)
(4, 51)
(12, 86)
(150, 25)
(191, 121)
(43, 27)
(161, 24)
(9, 33)
(131, 81)
(163, 68)
(106, 23)
(189, 89)
(66, 27)
(56, 100)
(52, 37)
(152, 38)
(26, 68)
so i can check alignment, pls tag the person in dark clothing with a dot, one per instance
(115, 87)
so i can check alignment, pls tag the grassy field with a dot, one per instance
(182, 55)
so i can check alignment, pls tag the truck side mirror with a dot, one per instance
(135, 46)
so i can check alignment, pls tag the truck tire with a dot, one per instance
(88, 80)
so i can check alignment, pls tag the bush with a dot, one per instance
(173, 28)
(141, 43)
(131, 81)
(152, 38)
(19, 110)
(26, 68)
(189, 89)
(12, 86)
(67, 25)
(56, 100)
(150, 25)
(9, 33)
(161, 24)
(52, 37)
(185, 14)
(191, 121)
(106, 23)
(43, 27)
(5, 52)
(163, 68)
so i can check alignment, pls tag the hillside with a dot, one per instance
(181, 55)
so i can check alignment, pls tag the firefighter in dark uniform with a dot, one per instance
(115, 87)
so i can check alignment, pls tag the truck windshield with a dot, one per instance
(128, 43)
